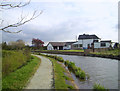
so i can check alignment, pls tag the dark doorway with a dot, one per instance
(60, 47)
(55, 47)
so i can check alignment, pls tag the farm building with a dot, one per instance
(59, 45)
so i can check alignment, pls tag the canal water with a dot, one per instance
(101, 70)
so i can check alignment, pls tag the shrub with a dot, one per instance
(77, 73)
(66, 62)
(82, 75)
(72, 66)
(60, 59)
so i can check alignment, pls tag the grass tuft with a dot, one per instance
(98, 87)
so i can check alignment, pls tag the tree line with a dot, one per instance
(37, 44)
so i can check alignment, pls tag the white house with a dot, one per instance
(103, 44)
(59, 45)
(86, 41)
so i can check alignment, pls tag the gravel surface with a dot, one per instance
(43, 78)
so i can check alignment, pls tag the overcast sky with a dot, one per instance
(63, 21)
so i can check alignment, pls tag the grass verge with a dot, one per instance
(114, 52)
(81, 50)
(13, 60)
(18, 79)
(60, 77)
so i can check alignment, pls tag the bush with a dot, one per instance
(66, 62)
(77, 73)
(82, 75)
(60, 59)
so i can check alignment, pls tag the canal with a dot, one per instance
(100, 70)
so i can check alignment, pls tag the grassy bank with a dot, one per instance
(114, 52)
(13, 60)
(19, 78)
(76, 70)
(62, 50)
(60, 77)
(72, 50)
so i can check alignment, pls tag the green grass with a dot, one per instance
(98, 87)
(81, 50)
(60, 77)
(12, 60)
(72, 50)
(76, 70)
(19, 78)
(114, 52)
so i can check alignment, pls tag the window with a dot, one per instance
(95, 40)
(76, 45)
(103, 44)
(80, 45)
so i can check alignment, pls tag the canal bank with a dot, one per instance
(101, 70)
(117, 57)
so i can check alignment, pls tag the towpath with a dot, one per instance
(43, 78)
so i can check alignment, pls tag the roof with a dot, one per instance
(57, 43)
(105, 41)
(87, 36)
(69, 43)
(60, 43)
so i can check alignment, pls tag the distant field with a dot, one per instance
(114, 52)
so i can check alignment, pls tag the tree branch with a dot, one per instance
(10, 6)
(21, 22)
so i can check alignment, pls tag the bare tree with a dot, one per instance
(23, 20)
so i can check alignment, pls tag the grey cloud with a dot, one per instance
(61, 32)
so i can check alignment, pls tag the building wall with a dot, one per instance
(50, 47)
(84, 43)
(98, 45)
(68, 47)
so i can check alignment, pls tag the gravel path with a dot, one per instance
(43, 78)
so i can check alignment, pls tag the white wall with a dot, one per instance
(98, 45)
(50, 47)
(68, 47)
(85, 42)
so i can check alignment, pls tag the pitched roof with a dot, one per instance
(86, 36)
(60, 43)
(69, 43)
(57, 43)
